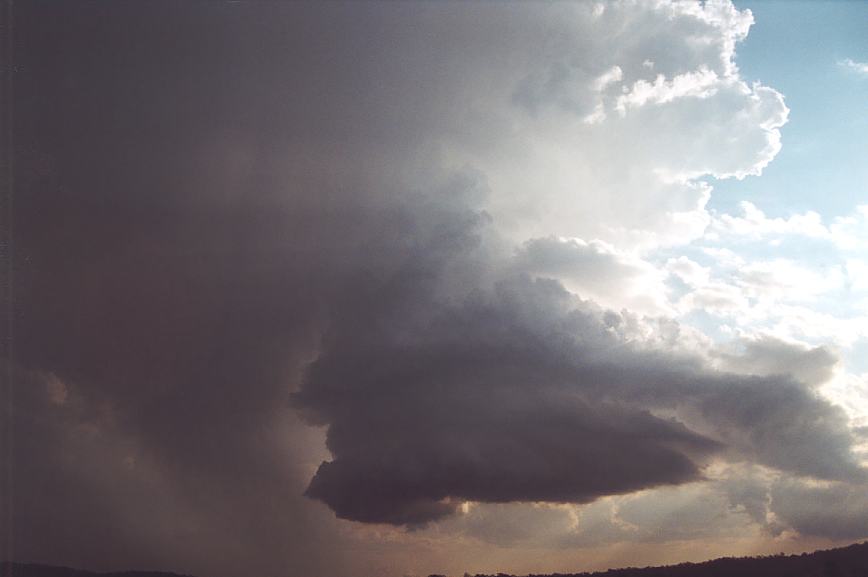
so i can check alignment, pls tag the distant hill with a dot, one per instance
(33, 570)
(849, 561)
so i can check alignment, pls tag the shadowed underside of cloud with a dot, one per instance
(557, 453)
(529, 394)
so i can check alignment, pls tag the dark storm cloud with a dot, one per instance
(528, 394)
(211, 196)
(475, 402)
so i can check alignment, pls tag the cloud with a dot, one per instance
(690, 272)
(738, 502)
(798, 277)
(735, 504)
(785, 279)
(850, 391)
(597, 271)
(716, 297)
(835, 511)
(529, 394)
(699, 84)
(850, 64)
(768, 355)
(373, 212)
(848, 232)
(480, 403)
(844, 233)
(552, 168)
(753, 224)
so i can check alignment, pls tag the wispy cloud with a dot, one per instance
(860, 67)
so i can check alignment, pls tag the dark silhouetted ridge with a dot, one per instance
(849, 561)
(34, 570)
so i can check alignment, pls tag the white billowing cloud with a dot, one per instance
(850, 64)
(847, 233)
(808, 323)
(784, 279)
(596, 270)
(689, 271)
(753, 224)
(781, 318)
(650, 195)
(594, 143)
(750, 291)
(811, 282)
(600, 84)
(857, 274)
(699, 84)
(850, 391)
(850, 233)
(716, 297)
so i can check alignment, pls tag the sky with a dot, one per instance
(391, 289)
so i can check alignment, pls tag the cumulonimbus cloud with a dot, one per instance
(351, 203)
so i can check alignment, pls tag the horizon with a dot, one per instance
(833, 559)
(414, 288)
